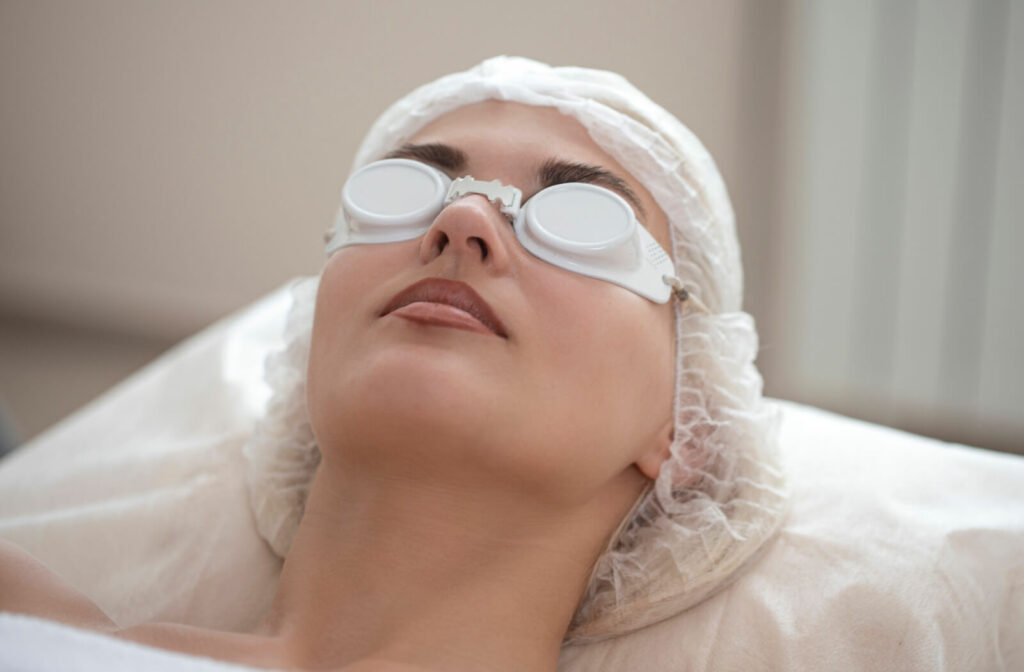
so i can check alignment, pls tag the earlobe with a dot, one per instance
(650, 462)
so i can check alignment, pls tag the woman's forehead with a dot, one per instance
(511, 141)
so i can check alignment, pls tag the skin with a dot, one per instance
(468, 482)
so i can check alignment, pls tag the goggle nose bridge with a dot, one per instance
(508, 197)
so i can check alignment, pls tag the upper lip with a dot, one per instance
(452, 293)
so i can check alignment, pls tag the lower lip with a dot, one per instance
(441, 315)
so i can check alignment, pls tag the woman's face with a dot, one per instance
(576, 390)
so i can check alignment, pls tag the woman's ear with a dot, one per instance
(650, 462)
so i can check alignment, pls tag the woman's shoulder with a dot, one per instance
(27, 586)
(232, 647)
(30, 588)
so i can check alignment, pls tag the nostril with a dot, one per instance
(481, 243)
(462, 241)
(441, 242)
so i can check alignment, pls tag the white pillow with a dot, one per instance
(900, 552)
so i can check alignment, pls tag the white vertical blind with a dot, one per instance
(828, 173)
(1001, 383)
(937, 80)
(906, 168)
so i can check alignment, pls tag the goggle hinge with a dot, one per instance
(683, 294)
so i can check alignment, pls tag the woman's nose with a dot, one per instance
(470, 228)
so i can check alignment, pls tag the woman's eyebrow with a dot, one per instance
(441, 155)
(554, 171)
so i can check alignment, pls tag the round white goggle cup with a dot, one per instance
(580, 227)
(388, 201)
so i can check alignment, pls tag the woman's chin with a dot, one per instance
(401, 393)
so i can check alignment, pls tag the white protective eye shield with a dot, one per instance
(580, 227)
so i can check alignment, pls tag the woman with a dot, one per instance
(477, 453)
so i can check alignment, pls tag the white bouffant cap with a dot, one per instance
(720, 496)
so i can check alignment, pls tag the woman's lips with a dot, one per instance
(445, 303)
(441, 315)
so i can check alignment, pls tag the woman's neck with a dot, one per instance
(420, 576)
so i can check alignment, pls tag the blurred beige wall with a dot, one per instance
(162, 164)
(165, 163)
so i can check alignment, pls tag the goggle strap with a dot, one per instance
(683, 294)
